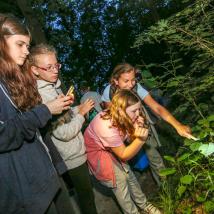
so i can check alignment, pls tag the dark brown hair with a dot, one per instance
(18, 82)
(120, 69)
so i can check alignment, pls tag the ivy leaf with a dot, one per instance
(187, 179)
(207, 149)
(168, 171)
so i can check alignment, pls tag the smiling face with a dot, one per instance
(46, 67)
(18, 47)
(126, 80)
(134, 111)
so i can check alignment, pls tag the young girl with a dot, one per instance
(107, 154)
(66, 129)
(28, 181)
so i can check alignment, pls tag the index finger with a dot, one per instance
(189, 136)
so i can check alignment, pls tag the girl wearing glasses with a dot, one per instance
(28, 181)
(107, 155)
(66, 129)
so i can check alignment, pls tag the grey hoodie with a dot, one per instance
(67, 137)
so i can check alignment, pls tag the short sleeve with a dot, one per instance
(112, 141)
(105, 96)
(142, 93)
(108, 136)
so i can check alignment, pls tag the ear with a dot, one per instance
(115, 81)
(34, 70)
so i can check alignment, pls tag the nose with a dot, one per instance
(137, 113)
(130, 85)
(26, 51)
(55, 69)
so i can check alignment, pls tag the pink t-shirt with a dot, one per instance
(99, 137)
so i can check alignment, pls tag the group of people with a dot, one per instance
(42, 144)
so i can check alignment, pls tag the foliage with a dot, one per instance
(193, 170)
(188, 72)
(188, 78)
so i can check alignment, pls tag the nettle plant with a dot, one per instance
(189, 79)
(192, 170)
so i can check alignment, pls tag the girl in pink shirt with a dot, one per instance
(107, 155)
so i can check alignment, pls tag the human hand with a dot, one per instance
(60, 104)
(140, 121)
(141, 132)
(184, 131)
(85, 107)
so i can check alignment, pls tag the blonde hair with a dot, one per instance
(40, 49)
(117, 111)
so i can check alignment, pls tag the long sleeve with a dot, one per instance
(22, 127)
(68, 131)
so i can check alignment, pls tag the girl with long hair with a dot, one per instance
(107, 155)
(28, 181)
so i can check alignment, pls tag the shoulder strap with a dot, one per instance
(112, 91)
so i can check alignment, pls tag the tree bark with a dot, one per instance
(36, 30)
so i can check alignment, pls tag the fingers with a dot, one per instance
(140, 121)
(141, 132)
(60, 96)
(189, 136)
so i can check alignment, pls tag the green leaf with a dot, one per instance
(183, 157)
(168, 171)
(195, 146)
(207, 149)
(211, 118)
(181, 189)
(169, 158)
(200, 198)
(187, 179)
(209, 206)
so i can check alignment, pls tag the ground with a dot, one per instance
(106, 204)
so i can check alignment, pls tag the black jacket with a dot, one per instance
(28, 181)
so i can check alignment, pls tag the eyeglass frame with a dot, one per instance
(52, 67)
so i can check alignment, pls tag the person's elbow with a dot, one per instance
(124, 157)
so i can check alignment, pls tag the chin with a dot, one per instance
(20, 63)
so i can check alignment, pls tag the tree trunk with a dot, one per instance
(37, 32)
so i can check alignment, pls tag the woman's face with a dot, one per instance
(46, 67)
(133, 111)
(18, 46)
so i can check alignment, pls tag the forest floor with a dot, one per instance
(105, 201)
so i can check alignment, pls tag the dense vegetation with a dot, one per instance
(188, 73)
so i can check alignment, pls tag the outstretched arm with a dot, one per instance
(182, 130)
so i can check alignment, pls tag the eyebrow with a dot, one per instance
(23, 42)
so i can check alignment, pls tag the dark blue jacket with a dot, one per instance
(28, 181)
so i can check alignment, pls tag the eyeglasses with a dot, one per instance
(51, 68)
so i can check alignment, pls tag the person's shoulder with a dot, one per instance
(107, 88)
(106, 94)
(141, 91)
